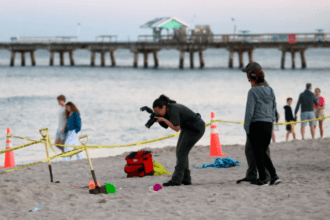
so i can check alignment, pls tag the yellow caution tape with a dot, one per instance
(27, 139)
(21, 146)
(66, 154)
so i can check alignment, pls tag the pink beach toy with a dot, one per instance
(157, 187)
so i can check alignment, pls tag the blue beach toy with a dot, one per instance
(221, 163)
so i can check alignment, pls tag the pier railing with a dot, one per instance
(244, 38)
(106, 38)
(58, 39)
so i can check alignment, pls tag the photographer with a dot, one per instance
(179, 117)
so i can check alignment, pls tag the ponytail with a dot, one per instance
(161, 101)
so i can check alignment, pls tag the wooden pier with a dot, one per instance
(146, 44)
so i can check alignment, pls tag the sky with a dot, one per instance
(124, 17)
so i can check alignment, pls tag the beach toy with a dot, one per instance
(215, 146)
(110, 188)
(9, 157)
(91, 184)
(157, 187)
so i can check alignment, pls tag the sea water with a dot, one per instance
(110, 99)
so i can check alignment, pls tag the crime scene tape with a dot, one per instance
(21, 146)
(27, 139)
(66, 154)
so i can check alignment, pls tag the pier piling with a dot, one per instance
(303, 59)
(23, 58)
(240, 56)
(293, 55)
(112, 57)
(61, 58)
(12, 59)
(181, 59)
(51, 58)
(145, 60)
(102, 58)
(93, 58)
(191, 60)
(136, 57)
(283, 60)
(156, 58)
(250, 55)
(71, 58)
(201, 59)
(33, 58)
(231, 59)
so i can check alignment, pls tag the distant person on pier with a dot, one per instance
(319, 110)
(251, 173)
(289, 117)
(73, 128)
(60, 138)
(258, 124)
(306, 100)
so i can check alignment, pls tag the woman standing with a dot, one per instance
(179, 117)
(319, 110)
(73, 127)
(258, 124)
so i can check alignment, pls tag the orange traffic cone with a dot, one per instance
(215, 146)
(9, 157)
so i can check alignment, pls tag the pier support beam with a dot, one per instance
(250, 55)
(93, 58)
(240, 55)
(283, 60)
(136, 57)
(33, 58)
(231, 59)
(145, 60)
(181, 60)
(156, 58)
(293, 55)
(191, 60)
(51, 58)
(201, 59)
(12, 59)
(102, 59)
(112, 56)
(23, 58)
(61, 58)
(303, 59)
(71, 58)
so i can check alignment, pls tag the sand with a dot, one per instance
(303, 166)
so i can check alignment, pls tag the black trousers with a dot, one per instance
(252, 173)
(260, 136)
(187, 140)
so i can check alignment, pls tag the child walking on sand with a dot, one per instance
(289, 117)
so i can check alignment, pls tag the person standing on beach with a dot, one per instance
(258, 124)
(306, 100)
(73, 128)
(60, 138)
(179, 117)
(251, 173)
(289, 117)
(319, 111)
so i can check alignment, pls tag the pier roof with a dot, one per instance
(165, 22)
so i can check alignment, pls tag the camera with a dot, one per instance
(152, 119)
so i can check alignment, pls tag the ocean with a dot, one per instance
(110, 99)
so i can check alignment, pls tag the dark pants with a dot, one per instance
(187, 140)
(260, 136)
(251, 173)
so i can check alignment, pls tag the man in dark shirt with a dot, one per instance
(306, 100)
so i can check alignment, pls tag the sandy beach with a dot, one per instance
(304, 193)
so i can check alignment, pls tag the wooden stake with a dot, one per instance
(47, 153)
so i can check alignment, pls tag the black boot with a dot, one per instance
(170, 183)
(186, 183)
